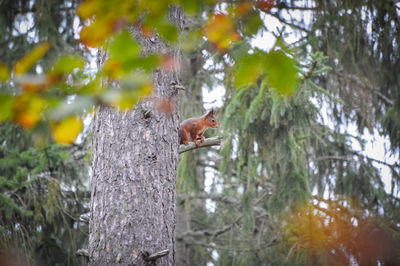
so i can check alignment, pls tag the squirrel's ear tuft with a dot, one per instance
(211, 112)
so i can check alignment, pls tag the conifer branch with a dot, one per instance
(190, 235)
(261, 246)
(366, 85)
(349, 158)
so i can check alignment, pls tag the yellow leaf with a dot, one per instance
(113, 69)
(97, 32)
(127, 99)
(220, 30)
(67, 130)
(27, 110)
(4, 72)
(88, 8)
(29, 60)
(129, 96)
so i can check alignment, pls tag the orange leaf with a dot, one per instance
(29, 60)
(170, 63)
(67, 130)
(119, 24)
(32, 87)
(113, 69)
(243, 8)
(38, 83)
(146, 31)
(165, 105)
(97, 32)
(52, 79)
(266, 5)
(27, 110)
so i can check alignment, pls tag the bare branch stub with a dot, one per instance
(82, 252)
(156, 255)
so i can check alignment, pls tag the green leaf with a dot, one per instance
(29, 60)
(67, 64)
(147, 63)
(167, 31)
(94, 87)
(252, 24)
(248, 68)
(6, 105)
(67, 109)
(239, 49)
(123, 48)
(191, 40)
(282, 73)
(190, 7)
(133, 88)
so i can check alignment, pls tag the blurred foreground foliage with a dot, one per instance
(65, 89)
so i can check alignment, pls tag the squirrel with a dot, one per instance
(195, 127)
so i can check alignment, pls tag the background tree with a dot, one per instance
(43, 188)
(284, 164)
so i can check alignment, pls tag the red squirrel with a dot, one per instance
(195, 127)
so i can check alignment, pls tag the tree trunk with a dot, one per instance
(135, 158)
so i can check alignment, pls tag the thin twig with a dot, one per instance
(276, 15)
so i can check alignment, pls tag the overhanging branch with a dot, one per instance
(214, 141)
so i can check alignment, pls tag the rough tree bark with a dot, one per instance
(134, 162)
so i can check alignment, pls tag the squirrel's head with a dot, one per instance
(210, 119)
